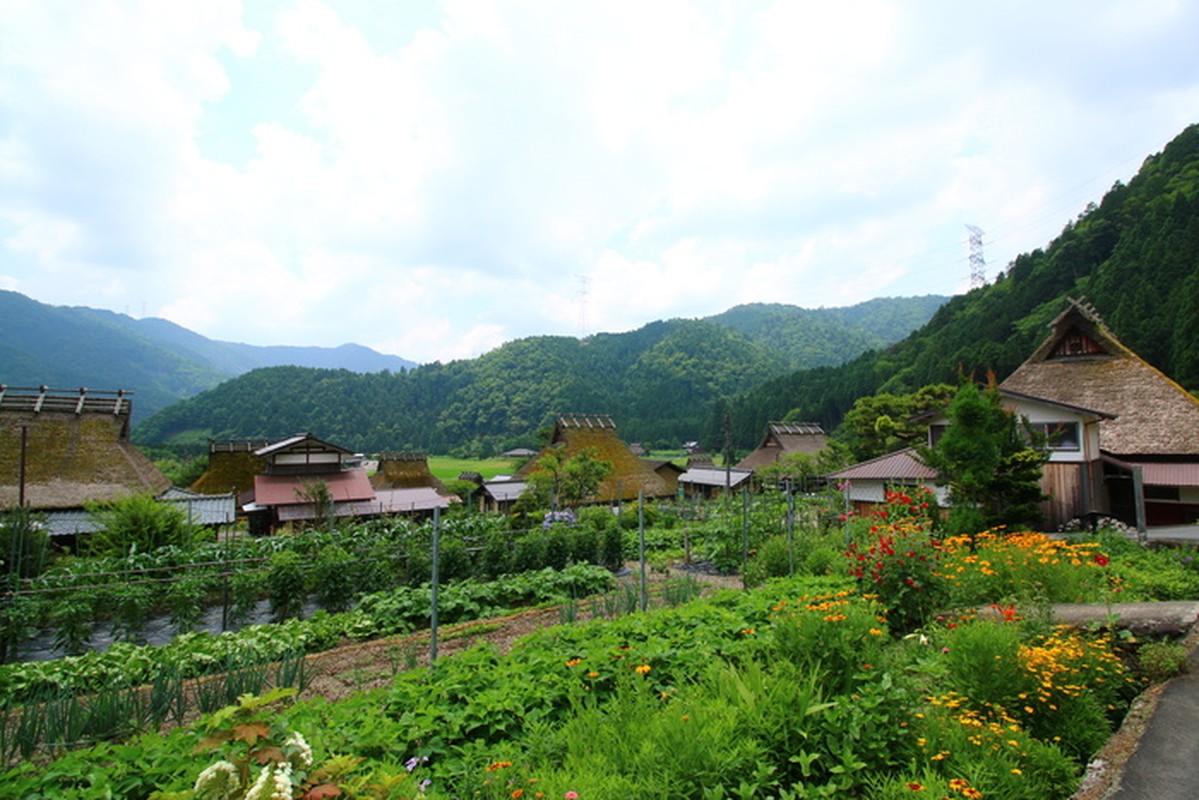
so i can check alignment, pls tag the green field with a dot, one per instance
(448, 469)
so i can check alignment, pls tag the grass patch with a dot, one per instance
(447, 468)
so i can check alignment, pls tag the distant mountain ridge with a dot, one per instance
(159, 361)
(658, 382)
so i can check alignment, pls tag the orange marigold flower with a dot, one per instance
(643, 669)
(517, 793)
(499, 765)
(915, 786)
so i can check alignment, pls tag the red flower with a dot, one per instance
(1101, 559)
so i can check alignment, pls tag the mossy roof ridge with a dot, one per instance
(72, 459)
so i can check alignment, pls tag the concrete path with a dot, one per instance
(1165, 765)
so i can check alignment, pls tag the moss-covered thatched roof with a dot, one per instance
(405, 471)
(76, 449)
(630, 475)
(231, 467)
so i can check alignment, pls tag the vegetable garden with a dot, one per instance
(856, 663)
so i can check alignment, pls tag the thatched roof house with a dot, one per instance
(784, 439)
(1149, 433)
(630, 475)
(405, 471)
(232, 466)
(61, 449)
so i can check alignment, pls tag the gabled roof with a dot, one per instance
(714, 476)
(301, 442)
(1082, 364)
(505, 490)
(785, 438)
(900, 465)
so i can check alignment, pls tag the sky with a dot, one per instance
(433, 179)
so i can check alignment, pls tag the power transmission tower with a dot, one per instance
(978, 264)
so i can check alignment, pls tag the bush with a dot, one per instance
(1160, 661)
(139, 524)
(24, 545)
(335, 579)
(285, 585)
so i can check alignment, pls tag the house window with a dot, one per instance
(1169, 493)
(935, 432)
(1060, 435)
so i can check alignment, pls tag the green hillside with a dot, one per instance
(659, 382)
(1134, 256)
(160, 362)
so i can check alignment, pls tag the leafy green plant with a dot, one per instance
(334, 577)
(139, 524)
(286, 585)
(1160, 661)
(24, 545)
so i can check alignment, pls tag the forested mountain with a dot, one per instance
(827, 337)
(159, 361)
(658, 382)
(1135, 257)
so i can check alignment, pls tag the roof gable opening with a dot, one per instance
(1074, 344)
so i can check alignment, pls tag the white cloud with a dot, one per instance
(432, 178)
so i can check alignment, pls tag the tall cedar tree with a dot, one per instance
(991, 460)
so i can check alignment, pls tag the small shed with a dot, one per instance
(500, 494)
(866, 484)
(711, 481)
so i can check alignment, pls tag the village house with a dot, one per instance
(783, 439)
(1123, 438)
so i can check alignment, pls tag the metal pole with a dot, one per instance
(790, 529)
(21, 477)
(641, 546)
(744, 534)
(433, 610)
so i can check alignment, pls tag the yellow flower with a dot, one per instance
(643, 669)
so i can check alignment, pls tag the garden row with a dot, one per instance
(794, 690)
(131, 687)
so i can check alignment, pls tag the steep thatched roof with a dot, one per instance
(76, 450)
(630, 475)
(231, 467)
(1083, 364)
(405, 471)
(784, 439)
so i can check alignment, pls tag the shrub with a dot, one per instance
(285, 585)
(24, 545)
(529, 552)
(1160, 661)
(139, 524)
(335, 578)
